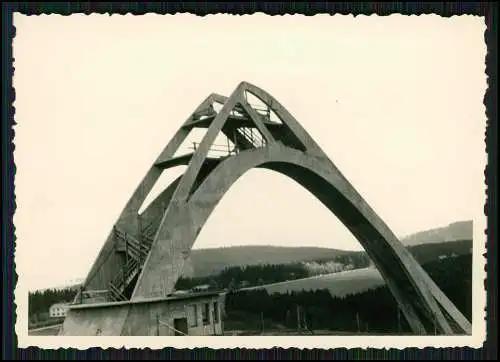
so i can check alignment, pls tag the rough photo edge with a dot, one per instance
(490, 11)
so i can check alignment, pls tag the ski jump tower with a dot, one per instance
(144, 253)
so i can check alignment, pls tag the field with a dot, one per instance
(339, 284)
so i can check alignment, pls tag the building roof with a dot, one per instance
(171, 297)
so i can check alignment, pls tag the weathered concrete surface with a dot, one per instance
(183, 222)
(106, 321)
(148, 318)
(192, 199)
(108, 263)
(142, 317)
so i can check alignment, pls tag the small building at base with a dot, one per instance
(58, 310)
(192, 314)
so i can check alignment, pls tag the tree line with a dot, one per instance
(235, 277)
(370, 311)
(245, 276)
(40, 302)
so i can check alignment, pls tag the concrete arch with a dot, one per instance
(394, 262)
(108, 263)
(192, 197)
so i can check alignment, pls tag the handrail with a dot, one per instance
(122, 277)
(135, 244)
(116, 293)
(254, 139)
(257, 141)
(118, 296)
(137, 250)
(125, 235)
(139, 247)
(128, 268)
(222, 148)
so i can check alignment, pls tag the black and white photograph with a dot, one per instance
(250, 181)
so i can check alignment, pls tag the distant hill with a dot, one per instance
(205, 262)
(461, 230)
(425, 246)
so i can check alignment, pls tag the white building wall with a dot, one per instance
(58, 310)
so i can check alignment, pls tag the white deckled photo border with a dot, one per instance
(22, 221)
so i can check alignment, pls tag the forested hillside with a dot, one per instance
(372, 311)
(205, 262)
(260, 274)
(208, 262)
(254, 271)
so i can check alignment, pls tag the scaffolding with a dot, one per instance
(241, 136)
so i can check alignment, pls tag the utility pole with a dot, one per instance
(298, 318)
(214, 322)
(157, 324)
(304, 322)
(262, 321)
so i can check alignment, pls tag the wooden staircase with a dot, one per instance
(136, 252)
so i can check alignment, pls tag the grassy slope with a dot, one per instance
(339, 284)
(359, 280)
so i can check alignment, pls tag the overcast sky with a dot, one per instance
(396, 102)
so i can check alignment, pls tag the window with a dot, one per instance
(216, 312)
(193, 315)
(206, 313)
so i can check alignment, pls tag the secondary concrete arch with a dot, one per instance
(394, 262)
(152, 270)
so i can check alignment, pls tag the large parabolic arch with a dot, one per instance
(144, 254)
